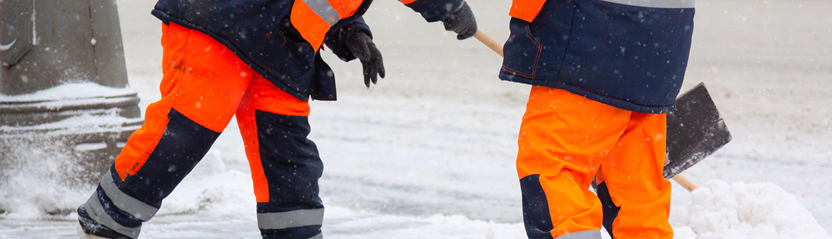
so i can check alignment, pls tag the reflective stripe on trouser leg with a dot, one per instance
(125, 202)
(594, 234)
(97, 213)
(122, 213)
(290, 219)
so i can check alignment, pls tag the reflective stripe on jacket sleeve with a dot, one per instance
(313, 18)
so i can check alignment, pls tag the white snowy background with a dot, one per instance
(429, 151)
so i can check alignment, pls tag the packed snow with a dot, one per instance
(744, 210)
(429, 151)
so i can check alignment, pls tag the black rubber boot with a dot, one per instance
(89, 229)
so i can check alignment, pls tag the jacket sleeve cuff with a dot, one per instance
(336, 38)
(435, 10)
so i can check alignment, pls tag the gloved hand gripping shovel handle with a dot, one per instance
(498, 48)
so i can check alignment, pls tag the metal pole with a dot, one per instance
(63, 86)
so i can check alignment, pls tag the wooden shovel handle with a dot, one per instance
(687, 184)
(489, 42)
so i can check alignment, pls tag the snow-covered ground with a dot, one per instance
(429, 151)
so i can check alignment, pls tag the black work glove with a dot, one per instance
(363, 48)
(462, 22)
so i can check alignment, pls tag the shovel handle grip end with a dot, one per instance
(687, 184)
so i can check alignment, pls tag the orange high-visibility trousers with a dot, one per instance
(205, 84)
(567, 140)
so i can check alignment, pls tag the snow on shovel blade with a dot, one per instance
(694, 131)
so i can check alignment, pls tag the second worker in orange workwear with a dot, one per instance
(604, 73)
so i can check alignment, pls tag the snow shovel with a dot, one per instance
(694, 130)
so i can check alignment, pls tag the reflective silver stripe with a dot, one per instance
(97, 213)
(125, 202)
(319, 236)
(656, 3)
(593, 234)
(297, 218)
(324, 10)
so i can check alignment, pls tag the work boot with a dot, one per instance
(89, 229)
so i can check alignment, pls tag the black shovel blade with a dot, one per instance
(694, 131)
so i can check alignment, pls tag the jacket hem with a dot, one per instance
(263, 72)
(615, 102)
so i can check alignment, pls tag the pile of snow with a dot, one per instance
(744, 210)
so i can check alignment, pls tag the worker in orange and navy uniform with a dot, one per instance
(258, 60)
(603, 75)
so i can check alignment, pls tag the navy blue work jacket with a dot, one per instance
(630, 57)
(261, 34)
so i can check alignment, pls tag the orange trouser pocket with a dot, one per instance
(564, 139)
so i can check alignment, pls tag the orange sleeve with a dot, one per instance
(311, 26)
(526, 9)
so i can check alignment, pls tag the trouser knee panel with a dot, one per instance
(180, 148)
(535, 208)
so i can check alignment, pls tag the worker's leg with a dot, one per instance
(202, 86)
(284, 164)
(636, 197)
(562, 140)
